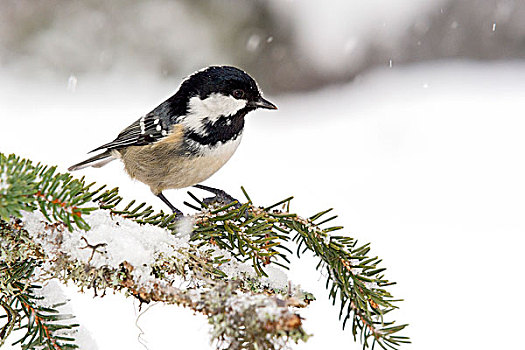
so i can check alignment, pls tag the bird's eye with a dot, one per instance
(238, 93)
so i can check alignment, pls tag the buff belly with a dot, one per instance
(162, 166)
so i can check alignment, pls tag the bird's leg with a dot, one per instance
(175, 210)
(220, 196)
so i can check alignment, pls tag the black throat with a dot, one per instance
(223, 130)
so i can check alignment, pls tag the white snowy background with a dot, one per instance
(423, 160)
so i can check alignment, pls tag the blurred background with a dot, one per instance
(288, 45)
(405, 116)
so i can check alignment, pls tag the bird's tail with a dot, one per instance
(96, 161)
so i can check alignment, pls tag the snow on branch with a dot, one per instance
(226, 261)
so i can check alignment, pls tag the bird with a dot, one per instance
(189, 136)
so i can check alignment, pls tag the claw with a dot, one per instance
(221, 197)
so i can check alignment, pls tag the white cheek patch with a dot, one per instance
(211, 108)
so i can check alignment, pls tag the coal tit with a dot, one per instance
(188, 137)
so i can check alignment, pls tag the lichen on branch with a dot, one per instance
(225, 261)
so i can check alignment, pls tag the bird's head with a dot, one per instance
(219, 93)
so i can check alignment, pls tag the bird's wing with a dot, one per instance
(146, 130)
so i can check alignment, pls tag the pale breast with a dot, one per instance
(190, 171)
(161, 166)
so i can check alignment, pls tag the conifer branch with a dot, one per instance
(222, 236)
(42, 324)
(354, 278)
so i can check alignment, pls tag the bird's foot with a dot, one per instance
(220, 197)
(177, 212)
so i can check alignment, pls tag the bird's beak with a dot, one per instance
(262, 103)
